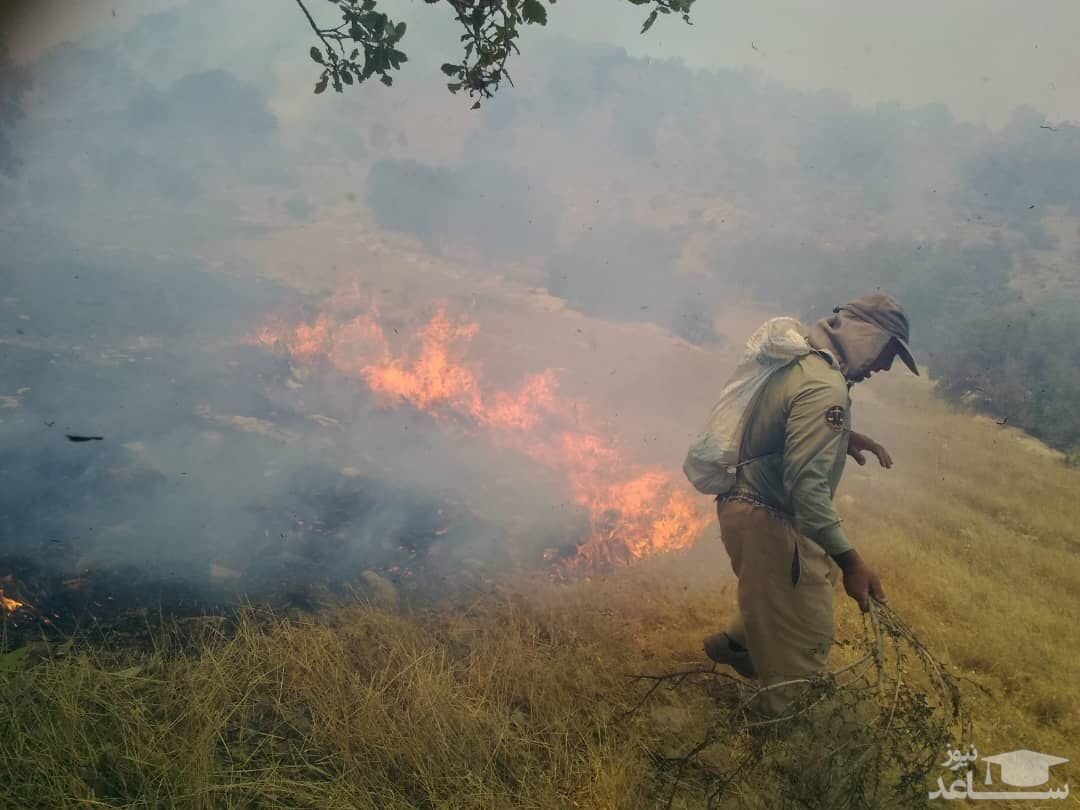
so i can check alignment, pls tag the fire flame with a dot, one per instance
(9, 604)
(633, 512)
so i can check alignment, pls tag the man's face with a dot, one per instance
(883, 362)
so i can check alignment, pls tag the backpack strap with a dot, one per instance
(747, 461)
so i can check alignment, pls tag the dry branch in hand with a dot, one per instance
(888, 720)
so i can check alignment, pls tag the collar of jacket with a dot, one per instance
(825, 353)
(828, 356)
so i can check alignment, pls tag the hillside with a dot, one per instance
(340, 435)
(511, 697)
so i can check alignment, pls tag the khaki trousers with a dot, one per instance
(785, 616)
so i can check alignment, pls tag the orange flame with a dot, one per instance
(633, 513)
(10, 605)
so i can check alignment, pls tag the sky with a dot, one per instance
(980, 57)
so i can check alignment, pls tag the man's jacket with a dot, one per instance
(794, 446)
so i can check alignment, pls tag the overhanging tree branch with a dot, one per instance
(491, 28)
(311, 21)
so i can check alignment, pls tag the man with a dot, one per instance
(778, 523)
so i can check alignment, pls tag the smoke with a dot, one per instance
(611, 225)
(217, 464)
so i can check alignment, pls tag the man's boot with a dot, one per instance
(721, 649)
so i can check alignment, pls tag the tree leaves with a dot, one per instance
(533, 11)
(489, 39)
(376, 35)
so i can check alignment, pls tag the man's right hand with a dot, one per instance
(860, 582)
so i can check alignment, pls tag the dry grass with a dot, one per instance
(507, 701)
(518, 698)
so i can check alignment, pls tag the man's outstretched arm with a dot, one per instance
(859, 444)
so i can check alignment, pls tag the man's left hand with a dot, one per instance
(858, 444)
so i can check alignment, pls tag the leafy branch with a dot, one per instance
(366, 42)
(374, 32)
(681, 7)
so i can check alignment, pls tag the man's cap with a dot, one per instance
(884, 312)
(1024, 768)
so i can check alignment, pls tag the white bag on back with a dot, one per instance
(713, 459)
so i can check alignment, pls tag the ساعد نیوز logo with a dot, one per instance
(1021, 769)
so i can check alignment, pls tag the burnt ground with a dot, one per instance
(218, 479)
